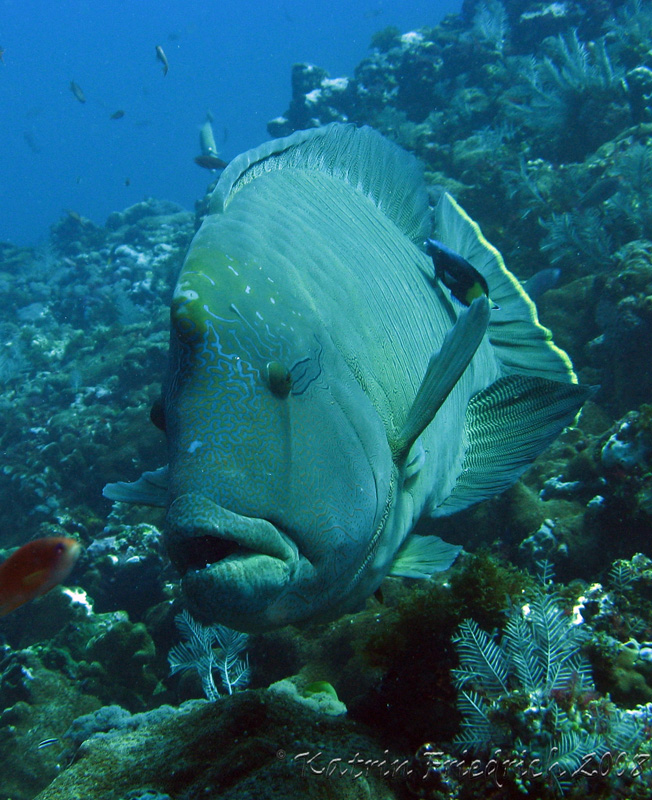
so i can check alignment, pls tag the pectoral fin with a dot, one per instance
(422, 556)
(34, 579)
(151, 489)
(444, 370)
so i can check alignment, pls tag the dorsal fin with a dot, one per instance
(522, 344)
(361, 157)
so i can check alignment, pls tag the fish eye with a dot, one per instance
(279, 378)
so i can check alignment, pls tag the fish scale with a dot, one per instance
(341, 266)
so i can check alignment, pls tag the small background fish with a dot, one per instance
(160, 55)
(76, 89)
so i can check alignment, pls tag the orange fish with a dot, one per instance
(34, 569)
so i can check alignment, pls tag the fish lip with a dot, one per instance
(221, 536)
(242, 593)
(207, 551)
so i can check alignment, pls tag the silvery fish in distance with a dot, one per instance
(324, 391)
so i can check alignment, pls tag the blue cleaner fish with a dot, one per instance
(46, 743)
(323, 394)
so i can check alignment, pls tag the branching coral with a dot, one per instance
(532, 691)
(612, 211)
(490, 24)
(630, 206)
(572, 100)
(629, 31)
(199, 653)
(579, 241)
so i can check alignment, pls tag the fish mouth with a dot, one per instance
(198, 552)
(203, 535)
(235, 569)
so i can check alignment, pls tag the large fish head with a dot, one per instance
(280, 470)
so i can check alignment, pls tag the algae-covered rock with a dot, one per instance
(252, 744)
(320, 695)
(82, 352)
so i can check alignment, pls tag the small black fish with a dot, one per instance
(119, 114)
(210, 162)
(162, 58)
(76, 89)
(461, 278)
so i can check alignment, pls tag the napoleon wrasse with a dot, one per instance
(324, 392)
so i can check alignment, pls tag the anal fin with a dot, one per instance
(422, 556)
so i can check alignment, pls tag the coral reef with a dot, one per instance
(90, 351)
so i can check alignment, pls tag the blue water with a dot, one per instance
(232, 57)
